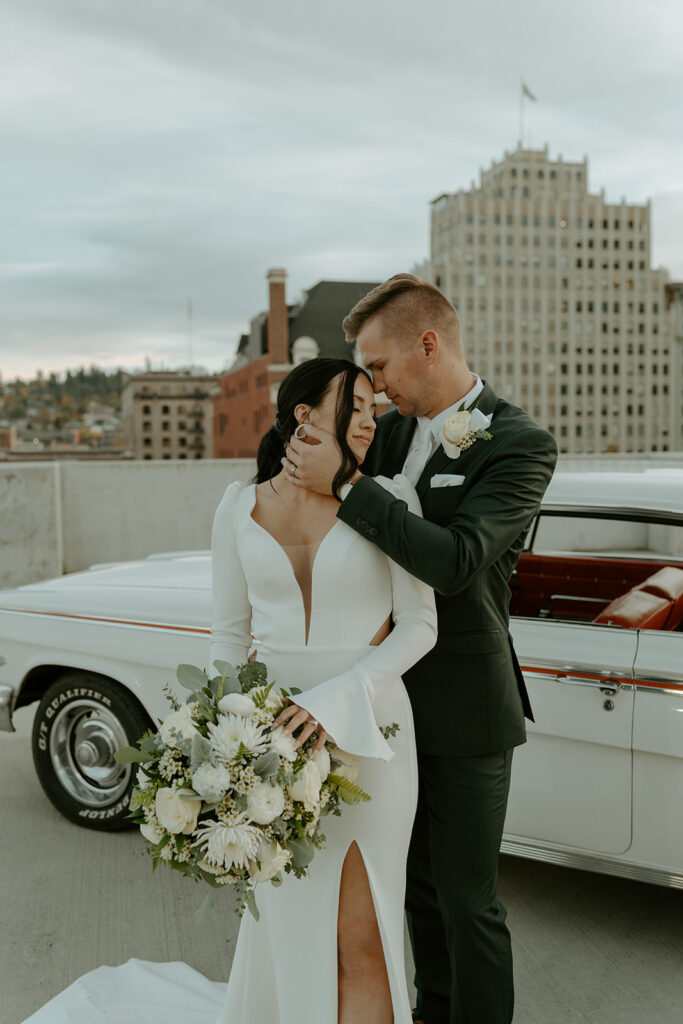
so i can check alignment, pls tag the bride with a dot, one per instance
(320, 602)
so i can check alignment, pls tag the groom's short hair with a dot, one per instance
(407, 306)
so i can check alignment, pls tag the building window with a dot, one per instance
(165, 409)
(146, 410)
(147, 442)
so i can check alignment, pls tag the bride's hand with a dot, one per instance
(292, 717)
(312, 461)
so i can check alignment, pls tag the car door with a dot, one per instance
(572, 780)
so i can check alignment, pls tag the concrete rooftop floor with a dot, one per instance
(589, 949)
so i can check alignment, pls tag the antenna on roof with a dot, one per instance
(189, 332)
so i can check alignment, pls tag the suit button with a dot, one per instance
(359, 521)
(372, 531)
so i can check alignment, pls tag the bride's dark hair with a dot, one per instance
(309, 383)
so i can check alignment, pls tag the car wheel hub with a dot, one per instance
(83, 741)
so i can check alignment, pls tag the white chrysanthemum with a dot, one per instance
(152, 833)
(228, 845)
(233, 732)
(237, 704)
(322, 759)
(177, 726)
(211, 781)
(265, 803)
(272, 859)
(283, 744)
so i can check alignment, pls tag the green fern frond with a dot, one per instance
(350, 792)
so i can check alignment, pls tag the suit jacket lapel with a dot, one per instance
(396, 449)
(440, 460)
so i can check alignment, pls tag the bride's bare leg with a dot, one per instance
(364, 994)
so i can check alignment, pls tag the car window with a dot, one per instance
(603, 537)
(604, 570)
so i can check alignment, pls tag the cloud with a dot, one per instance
(182, 147)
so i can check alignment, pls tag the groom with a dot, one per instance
(480, 467)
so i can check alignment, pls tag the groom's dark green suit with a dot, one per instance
(468, 694)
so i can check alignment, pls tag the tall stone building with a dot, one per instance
(560, 307)
(168, 414)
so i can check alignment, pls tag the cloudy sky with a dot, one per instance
(155, 149)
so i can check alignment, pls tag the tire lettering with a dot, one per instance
(109, 812)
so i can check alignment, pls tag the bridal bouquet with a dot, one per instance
(225, 797)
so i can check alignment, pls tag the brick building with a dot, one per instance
(279, 339)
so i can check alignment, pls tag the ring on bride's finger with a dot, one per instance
(301, 435)
(292, 470)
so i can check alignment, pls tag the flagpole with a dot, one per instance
(521, 114)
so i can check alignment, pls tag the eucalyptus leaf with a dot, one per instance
(302, 851)
(225, 668)
(202, 910)
(251, 904)
(191, 677)
(266, 765)
(131, 755)
(201, 748)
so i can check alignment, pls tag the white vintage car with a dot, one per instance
(597, 621)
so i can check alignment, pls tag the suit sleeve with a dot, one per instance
(344, 704)
(491, 517)
(231, 617)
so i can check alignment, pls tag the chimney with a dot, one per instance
(278, 317)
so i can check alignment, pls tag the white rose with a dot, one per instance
(348, 769)
(177, 813)
(456, 426)
(305, 786)
(151, 833)
(272, 859)
(322, 759)
(265, 803)
(211, 782)
(283, 744)
(236, 704)
(177, 726)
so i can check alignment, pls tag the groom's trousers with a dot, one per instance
(461, 944)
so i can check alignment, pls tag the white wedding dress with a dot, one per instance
(314, 613)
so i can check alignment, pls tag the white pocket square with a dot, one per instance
(447, 480)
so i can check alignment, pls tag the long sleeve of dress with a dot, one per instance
(343, 704)
(231, 619)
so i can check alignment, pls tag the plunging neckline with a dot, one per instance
(308, 618)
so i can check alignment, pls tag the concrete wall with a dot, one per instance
(59, 517)
(62, 516)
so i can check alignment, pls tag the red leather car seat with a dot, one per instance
(667, 583)
(656, 603)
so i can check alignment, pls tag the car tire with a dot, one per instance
(82, 719)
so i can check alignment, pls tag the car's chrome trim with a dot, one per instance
(603, 679)
(134, 623)
(662, 682)
(592, 862)
(666, 516)
(6, 699)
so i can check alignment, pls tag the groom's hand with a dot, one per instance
(312, 461)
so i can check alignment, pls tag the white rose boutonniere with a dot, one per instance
(462, 429)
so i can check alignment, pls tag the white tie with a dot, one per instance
(420, 451)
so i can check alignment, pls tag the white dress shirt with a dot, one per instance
(427, 435)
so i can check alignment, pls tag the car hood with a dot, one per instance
(169, 588)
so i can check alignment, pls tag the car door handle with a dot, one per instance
(608, 682)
